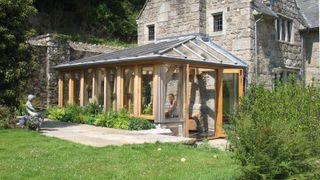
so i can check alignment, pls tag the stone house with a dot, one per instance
(199, 54)
(276, 38)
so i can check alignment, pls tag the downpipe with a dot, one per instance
(256, 46)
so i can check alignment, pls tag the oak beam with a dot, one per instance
(60, 89)
(82, 89)
(119, 88)
(241, 84)
(71, 88)
(219, 105)
(187, 101)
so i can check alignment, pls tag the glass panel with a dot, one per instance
(88, 85)
(202, 107)
(100, 86)
(230, 94)
(173, 87)
(128, 89)
(66, 88)
(77, 88)
(111, 89)
(146, 90)
(283, 38)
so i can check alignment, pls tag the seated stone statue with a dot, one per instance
(33, 111)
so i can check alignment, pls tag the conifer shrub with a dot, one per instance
(276, 133)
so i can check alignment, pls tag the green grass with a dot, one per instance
(28, 155)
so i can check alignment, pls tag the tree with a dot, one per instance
(16, 59)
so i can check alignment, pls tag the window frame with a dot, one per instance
(218, 23)
(153, 36)
(285, 29)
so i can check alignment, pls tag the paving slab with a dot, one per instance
(101, 137)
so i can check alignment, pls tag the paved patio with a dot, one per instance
(101, 137)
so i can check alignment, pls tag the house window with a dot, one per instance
(217, 22)
(284, 28)
(151, 32)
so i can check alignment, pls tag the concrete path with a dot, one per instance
(101, 137)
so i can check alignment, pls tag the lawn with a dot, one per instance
(28, 155)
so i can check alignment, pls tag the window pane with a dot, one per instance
(146, 90)
(283, 30)
(218, 22)
(128, 89)
(173, 89)
(111, 89)
(202, 105)
(77, 88)
(151, 32)
(230, 94)
(289, 28)
(278, 28)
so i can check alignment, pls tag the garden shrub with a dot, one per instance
(56, 113)
(6, 117)
(106, 119)
(277, 133)
(93, 108)
(122, 121)
(140, 124)
(72, 113)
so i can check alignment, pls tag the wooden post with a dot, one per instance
(60, 87)
(219, 104)
(136, 90)
(71, 88)
(82, 88)
(119, 88)
(241, 85)
(187, 101)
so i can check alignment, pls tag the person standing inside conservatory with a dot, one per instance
(173, 110)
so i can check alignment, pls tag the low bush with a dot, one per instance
(72, 113)
(140, 124)
(87, 115)
(6, 117)
(277, 133)
(56, 113)
(106, 119)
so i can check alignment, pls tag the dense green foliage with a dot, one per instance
(97, 18)
(140, 124)
(92, 114)
(16, 60)
(29, 155)
(277, 133)
(6, 117)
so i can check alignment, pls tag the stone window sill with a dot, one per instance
(288, 43)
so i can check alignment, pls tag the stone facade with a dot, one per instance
(273, 60)
(51, 52)
(171, 17)
(312, 65)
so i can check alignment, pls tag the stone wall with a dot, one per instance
(171, 18)
(312, 63)
(44, 81)
(275, 55)
(237, 33)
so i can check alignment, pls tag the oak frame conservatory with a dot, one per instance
(190, 68)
